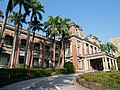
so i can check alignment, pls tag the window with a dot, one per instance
(36, 46)
(91, 49)
(87, 49)
(23, 43)
(78, 49)
(8, 40)
(95, 50)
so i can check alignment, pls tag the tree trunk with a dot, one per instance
(62, 52)
(31, 50)
(27, 45)
(54, 47)
(16, 40)
(3, 27)
(13, 48)
(53, 53)
(61, 55)
(53, 62)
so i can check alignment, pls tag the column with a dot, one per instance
(106, 64)
(89, 65)
(103, 60)
(85, 48)
(116, 65)
(110, 63)
(89, 47)
(113, 62)
(85, 64)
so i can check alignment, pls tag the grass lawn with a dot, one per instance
(109, 79)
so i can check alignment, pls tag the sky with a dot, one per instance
(100, 18)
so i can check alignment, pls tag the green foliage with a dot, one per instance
(118, 59)
(69, 67)
(118, 62)
(48, 71)
(113, 69)
(60, 70)
(109, 79)
(118, 66)
(108, 47)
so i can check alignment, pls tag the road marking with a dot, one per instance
(57, 87)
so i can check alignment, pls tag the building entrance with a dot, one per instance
(96, 64)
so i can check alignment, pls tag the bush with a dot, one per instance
(60, 70)
(113, 69)
(118, 66)
(13, 75)
(48, 71)
(69, 67)
(109, 79)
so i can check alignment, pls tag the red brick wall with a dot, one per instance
(74, 53)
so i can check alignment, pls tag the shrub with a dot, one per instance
(12, 75)
(109, 79)
(118, 66)
(113, 69)
(48, 71)
(69, 67)
(60, 70)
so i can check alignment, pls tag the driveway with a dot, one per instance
(60, 82)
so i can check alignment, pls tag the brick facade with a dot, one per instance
(84, 52)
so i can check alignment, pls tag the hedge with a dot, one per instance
(13, 75)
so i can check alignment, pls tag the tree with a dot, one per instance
(36, 9)
(21, 3)
(103, 47)
(65, 33)
(36, 26)
(9, 8)
(52, 30)
(108, 47)
(14, 17)
(118, 61)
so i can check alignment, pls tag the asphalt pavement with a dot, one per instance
(59, 82)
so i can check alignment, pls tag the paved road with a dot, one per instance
(61, 82)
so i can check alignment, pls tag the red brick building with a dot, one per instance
(84, 52)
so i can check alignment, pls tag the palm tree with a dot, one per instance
(65, 33)
(108, 47)
(103, 47)
(26, 8)
(36, 9)
(9, 8)
(111, 48)
(52, 30)
(36, 26)
(15, 19)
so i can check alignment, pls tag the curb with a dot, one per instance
(80, 84)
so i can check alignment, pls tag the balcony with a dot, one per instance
(68, 56)
(6, 49)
